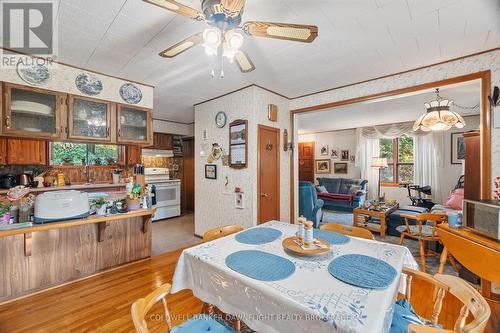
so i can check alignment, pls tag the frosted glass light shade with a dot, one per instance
(438, 117)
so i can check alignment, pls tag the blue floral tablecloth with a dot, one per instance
(310, 300)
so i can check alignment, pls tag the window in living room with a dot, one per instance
(399, 154)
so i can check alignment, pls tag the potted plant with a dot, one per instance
(134, 197)
(100, 205)
(5, 213)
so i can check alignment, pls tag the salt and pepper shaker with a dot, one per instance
(308, 234)
(300, 234)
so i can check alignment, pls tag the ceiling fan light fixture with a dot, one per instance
(212, 40)
(234, 39)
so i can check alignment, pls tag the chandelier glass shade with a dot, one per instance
(438, 116)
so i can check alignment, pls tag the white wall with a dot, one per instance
(170, 127)
(341, 140)
(214, 203)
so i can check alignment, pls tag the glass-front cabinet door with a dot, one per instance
(31, 112)
(134, 125)
(89, 119)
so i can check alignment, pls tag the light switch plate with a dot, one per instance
(496, 117)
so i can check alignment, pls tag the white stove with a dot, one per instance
(165, 192)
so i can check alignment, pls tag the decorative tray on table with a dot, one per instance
(295, 245)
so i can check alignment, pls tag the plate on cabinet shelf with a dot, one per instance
(88, 84)
(30, 107)
(130, 93)
(33, 74)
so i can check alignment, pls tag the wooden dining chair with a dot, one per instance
(473, 303)
(348, 230)
(424, 231)
(221, 232)
(203, 322)
(208, 236)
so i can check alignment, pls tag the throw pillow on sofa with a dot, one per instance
(455, 199)
(321, 189)
(355, 190)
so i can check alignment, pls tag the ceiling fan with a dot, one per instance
(224, 37)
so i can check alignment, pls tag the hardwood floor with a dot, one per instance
(102, 303)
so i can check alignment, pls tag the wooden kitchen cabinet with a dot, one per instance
(89, 119)
(134, 125)
(3, 151)
(133, 155)
(162, 141)
(27, 152)
(31, 112)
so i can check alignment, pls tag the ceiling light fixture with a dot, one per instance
(438, 116)
(212, 40)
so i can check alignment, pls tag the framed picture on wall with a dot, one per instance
(334, 153)
(344, 155)
(324, 150)
(340, 168)
(210, 171)
(238, 144)
(457, 148)
(323, 166)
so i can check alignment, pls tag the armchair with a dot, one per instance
(309, 204)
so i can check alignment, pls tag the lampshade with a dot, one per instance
(438, 116)
(379, 162)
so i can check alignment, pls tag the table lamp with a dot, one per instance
(379, 163)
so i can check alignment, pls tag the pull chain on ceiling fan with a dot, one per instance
(224, 36)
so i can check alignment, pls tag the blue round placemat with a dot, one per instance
(362, 271)
(331, 236)
(258, 236)
(260, 265)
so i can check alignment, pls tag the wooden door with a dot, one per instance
(268, 174)
(187, 185)
(306, 161)
(472, 190)
(27, 152)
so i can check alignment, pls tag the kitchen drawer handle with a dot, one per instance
(7, 122)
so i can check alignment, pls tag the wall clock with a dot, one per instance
(220, 119)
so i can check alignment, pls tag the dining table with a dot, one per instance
(310, 299)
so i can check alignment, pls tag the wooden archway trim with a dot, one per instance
(483, 76)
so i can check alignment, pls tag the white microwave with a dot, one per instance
(483, 217)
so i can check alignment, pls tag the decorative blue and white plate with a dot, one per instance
(88, 84)
(130, 93)
(33, 74)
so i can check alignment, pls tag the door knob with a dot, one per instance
(265, 195)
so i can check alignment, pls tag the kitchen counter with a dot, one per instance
(94, 186)
(42, 256)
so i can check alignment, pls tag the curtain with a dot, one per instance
(367, 148)
(428, 155)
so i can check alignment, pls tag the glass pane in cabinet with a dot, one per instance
(32, 111)
(133, 124)
(90, 119)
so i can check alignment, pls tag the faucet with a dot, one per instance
(88, 172)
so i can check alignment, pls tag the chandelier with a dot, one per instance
(438, 116)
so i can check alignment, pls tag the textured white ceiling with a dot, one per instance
(358, 40)
(396, 109)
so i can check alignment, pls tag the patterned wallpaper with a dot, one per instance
(62, 78)
(482, 62)
(215, 203)
(165, 126)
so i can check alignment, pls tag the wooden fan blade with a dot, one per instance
(178, 8)
(182, 46)
(293, 32)
(244, 62)
(233, 5)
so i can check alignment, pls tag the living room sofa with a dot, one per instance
(344, 194)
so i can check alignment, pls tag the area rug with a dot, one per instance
(336, 217)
